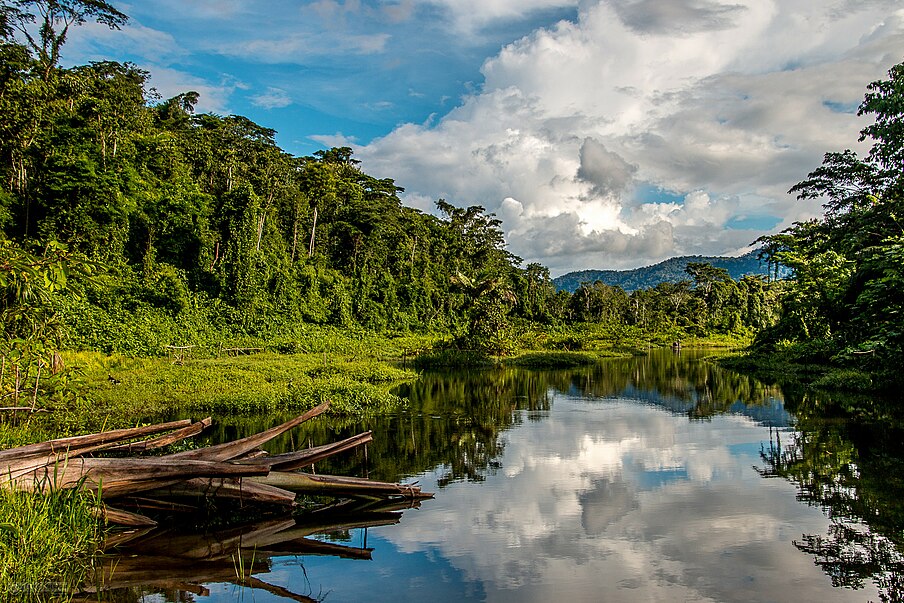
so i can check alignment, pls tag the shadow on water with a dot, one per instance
(455, 423)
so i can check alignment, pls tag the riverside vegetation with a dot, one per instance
(142, 242)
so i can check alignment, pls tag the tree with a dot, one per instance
(489, 300)
(847, 265)
(54, 18)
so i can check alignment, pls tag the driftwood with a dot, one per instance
(171, 483)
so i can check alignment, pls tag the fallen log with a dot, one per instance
(73, 445)
(339, 486)
(118, 477)
(232, 488)
(124, 518)
(303, 458)
(165, 440)
(231, 450)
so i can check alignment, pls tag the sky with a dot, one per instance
(605, 134)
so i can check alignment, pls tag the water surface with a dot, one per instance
(650, 479)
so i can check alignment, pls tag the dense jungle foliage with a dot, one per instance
(844, 303)
(131, 222)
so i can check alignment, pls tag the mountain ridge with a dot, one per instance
(670, 270)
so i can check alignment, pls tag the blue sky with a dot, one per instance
(604, 133)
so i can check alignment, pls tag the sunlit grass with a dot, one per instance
(262, 382)
(48, 544)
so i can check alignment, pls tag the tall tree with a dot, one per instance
(847, 266)
(53, 19)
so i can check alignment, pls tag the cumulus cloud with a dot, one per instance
(723, 105)
(605, 170)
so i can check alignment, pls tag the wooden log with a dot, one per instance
(303, 458)
(75, 445)
(118, 477)
(343, 486)
(231, 450)
(155, 504)
(124, 518)
(232, 488)
(165, 440)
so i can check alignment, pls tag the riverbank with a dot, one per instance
(787, 367)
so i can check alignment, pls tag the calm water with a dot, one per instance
(650, 479)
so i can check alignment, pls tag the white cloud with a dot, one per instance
(726, 103)
(335, 140)
(93, 41)
(273, 98)
(213, 98)
(301, 47)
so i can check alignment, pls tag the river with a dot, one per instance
(657, 478)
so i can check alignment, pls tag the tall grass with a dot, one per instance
(47, 544)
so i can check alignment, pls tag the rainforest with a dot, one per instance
(158, 261)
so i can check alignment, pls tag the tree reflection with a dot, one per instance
(455, 420)
(855, 474)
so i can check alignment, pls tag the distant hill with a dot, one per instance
(670, 270)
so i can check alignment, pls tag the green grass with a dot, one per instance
(264, 382)
(609, 340)
(47, 544)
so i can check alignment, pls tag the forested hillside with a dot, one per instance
(203, 218)
(671, 270)
(136, 223)
(844, 303)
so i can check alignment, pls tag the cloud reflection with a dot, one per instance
(621, 501)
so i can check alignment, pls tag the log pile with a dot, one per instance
(237, 470)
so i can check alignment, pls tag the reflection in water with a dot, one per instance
(180, 560)
(855, 473)
(630, 480)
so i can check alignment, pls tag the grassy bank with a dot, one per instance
(808, 366)
(48, 544)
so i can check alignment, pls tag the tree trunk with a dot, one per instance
(313, 229)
